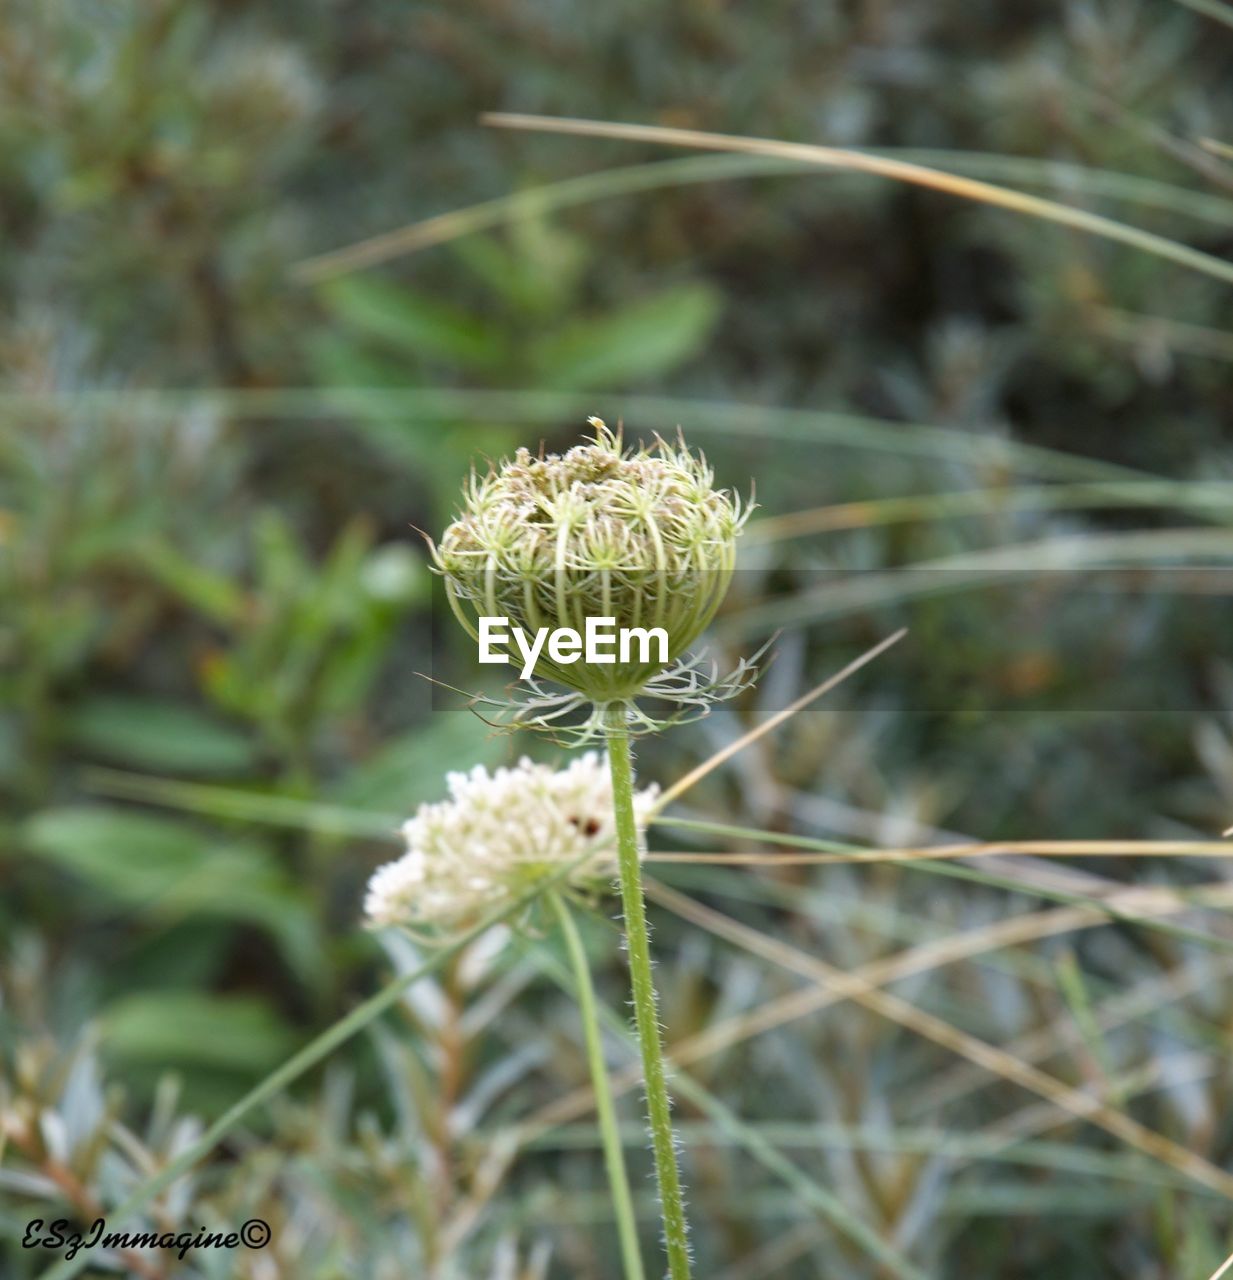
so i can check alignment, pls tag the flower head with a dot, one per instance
(640, 536)
(495, 838)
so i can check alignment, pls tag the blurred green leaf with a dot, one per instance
(339, 598)
(283, 568)
(348, 673)
(10, 746)
(1201, 1252)
(407, 319)
(537, 274)
(236, 1033)
(234, 803)
(509, 276)
(342, 362)
(156, 734)
(212, 593)
(639, 341)
(409, 441)
(135, 856)
(411, 769)
(169, 868)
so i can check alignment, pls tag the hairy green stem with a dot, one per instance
(646, 1015)
(614, 1151)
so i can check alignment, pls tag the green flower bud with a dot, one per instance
(640, 536)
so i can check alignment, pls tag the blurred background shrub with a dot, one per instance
(218, 437)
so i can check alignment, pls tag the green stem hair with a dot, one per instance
(646, 1015)
(614, 1151)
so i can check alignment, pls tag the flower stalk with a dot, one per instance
(646, 1012)
(614, 1151)
(643, 541)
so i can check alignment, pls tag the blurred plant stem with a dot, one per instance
(35, 708)
(614, 1151)
(642, 984)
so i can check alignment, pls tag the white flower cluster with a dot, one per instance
(495, 837)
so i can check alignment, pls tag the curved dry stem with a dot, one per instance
(885, 167)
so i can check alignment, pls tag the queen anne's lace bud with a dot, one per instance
(642, 537)
(495, 838)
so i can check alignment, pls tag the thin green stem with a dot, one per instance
(646, 1015)
(614, 1150)
(758, 1145)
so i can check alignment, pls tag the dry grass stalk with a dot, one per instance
(855, 987)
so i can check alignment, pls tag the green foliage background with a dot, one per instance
(216, 446)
